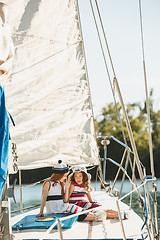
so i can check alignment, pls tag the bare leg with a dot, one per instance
(90, 217)
(111, 214)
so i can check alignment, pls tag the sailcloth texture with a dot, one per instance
(6, 45)
(48, 93)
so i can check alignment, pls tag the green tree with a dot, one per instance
(110, 125)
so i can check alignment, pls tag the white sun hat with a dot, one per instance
(80, 168)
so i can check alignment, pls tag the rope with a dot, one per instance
(146, 213)
(33, 206)
(33, 184)
(105, 39)
(104, 58)
(124, 170)
(145, 205)
(123, 178)
(108, 72)
(153, 179)
(115, 179)
(133, 175)
(120, 97)
(147, 99)
(149, 121)
(101, 180)
(106, 64)
(46, 58)
(38, 182)
(90, 168)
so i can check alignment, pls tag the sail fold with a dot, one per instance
(48, 93)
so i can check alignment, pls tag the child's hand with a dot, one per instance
(68, 182)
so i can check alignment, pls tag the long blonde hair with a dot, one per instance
(56, 177)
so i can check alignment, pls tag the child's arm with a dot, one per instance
(44, 197)
(69, 188)
(89, 197)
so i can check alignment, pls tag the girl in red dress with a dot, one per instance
(79, 194)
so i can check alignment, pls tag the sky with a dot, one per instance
(122, 27)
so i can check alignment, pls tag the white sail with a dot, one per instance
(6, 45)
(48, 93)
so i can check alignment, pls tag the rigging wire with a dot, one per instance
(123, 107)
(109, 54)
(121, 101)
(146, 90)
(149, 123)
(85, 65)
(46, 58)
(109, 77)
(104, 57)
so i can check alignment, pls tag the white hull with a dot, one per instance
(109, 229)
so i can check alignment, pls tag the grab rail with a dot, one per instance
(116, 140)
(136, 188)
(87, 211)
(68, 217)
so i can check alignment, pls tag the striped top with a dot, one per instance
(79, 194)
(79, 198)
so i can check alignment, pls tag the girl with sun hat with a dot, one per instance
(53, 194)
(79, 193)
(56, 193)
(55, 197)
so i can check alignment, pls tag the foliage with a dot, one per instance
(137, 114)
